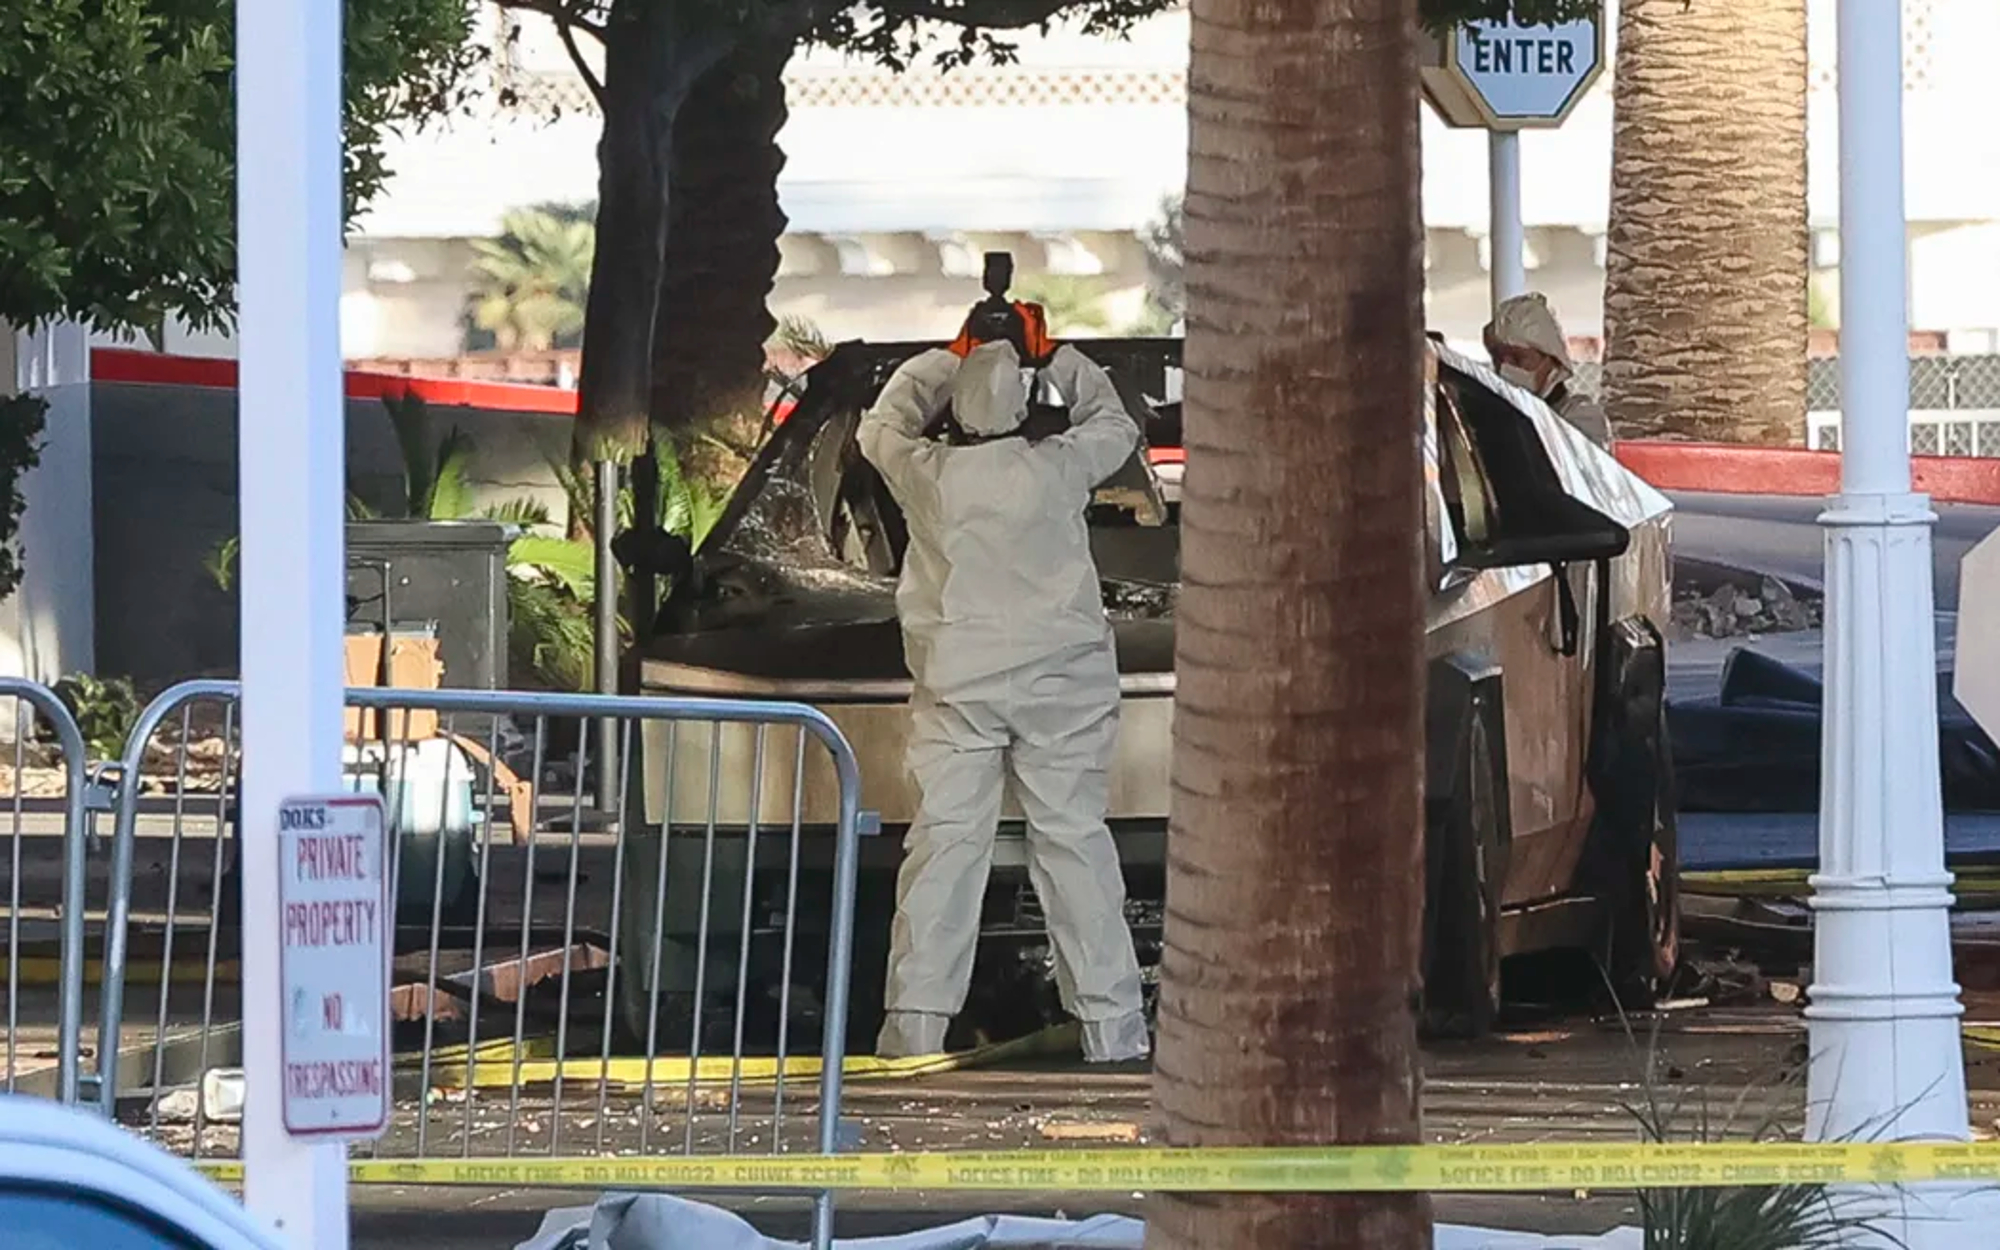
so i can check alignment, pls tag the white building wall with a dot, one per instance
(46, 626)
(1088, 135)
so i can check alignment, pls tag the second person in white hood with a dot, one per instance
(1015, 677)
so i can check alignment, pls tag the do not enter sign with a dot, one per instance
(1506, 76)
(334, 918)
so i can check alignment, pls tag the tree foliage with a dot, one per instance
(1166, 261)
(530, 284)
(117, 143)
(22, 418)
(1439, 14)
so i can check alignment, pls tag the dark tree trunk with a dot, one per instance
(651, 62)
(722, 247)
(1295, 856)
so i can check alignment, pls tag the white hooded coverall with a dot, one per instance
(1015, 679)
(1527, 321)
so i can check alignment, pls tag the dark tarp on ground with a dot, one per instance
(1753, 750)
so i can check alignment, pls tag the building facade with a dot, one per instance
(894, 185)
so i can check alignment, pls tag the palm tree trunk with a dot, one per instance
(1706, 272)
(1295, 857)
(722, 248)
(655, 52)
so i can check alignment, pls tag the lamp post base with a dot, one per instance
(1887, 1062)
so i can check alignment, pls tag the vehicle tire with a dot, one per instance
(1468, 840)
(1638, 837)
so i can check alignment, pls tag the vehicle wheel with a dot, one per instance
(1643, 927)
(1467, 844)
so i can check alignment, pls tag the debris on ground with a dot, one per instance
(1734, 611)
(1138, 600)
(1725, 979)
(1090, 1130)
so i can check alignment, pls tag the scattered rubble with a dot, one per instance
(178, 1106)
(33, 782)
(1090, 1130)
(1732, 611)
(1138, 600)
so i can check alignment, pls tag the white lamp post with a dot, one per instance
(291, 452)
(1886, 1061)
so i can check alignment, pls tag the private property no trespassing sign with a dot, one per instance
(333, 910)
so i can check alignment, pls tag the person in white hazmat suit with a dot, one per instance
(1016, 680)
(1528, 349)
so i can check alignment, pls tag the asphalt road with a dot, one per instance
(1781, 535)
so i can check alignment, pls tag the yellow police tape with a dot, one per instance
(1363, 1169)
(1970, 884)
(501, 1065)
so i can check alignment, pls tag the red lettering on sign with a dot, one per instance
(349, 1078)
(334, 858)
(330, 1012)
(341, 922)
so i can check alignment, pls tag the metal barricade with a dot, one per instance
(567, 980)
(41, 914)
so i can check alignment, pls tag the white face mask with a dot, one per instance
(1523, 378)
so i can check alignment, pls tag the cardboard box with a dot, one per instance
(413, 665)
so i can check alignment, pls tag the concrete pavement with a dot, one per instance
(1555, 1080)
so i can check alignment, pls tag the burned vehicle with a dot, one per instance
(1549, 811)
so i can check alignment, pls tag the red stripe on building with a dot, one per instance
(1730, 470)
(113, 364)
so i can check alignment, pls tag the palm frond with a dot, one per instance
(531, 285)
(579, 491)
(450, 495)
(571, 564)
(220, 562)
(551, 634)
(801, 336)
(526, 511)
(705, 508)
(410, 418)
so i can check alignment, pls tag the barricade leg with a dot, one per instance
(34, 707)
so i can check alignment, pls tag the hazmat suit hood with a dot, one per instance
(988, 396)
(1526, 321)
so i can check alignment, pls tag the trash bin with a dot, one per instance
(450, 576)
(426, 790)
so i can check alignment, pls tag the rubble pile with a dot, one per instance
(1138, 600)
(1733, 611)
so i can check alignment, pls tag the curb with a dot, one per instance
(1732, 470)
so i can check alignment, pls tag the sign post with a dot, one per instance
(1504, 78)
(291, 445)
(334, 904)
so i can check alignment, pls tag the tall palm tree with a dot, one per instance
(530, 284)
(1294, 865)
(1705, 303)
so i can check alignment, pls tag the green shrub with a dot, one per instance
(105, 709)
(22, 418)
